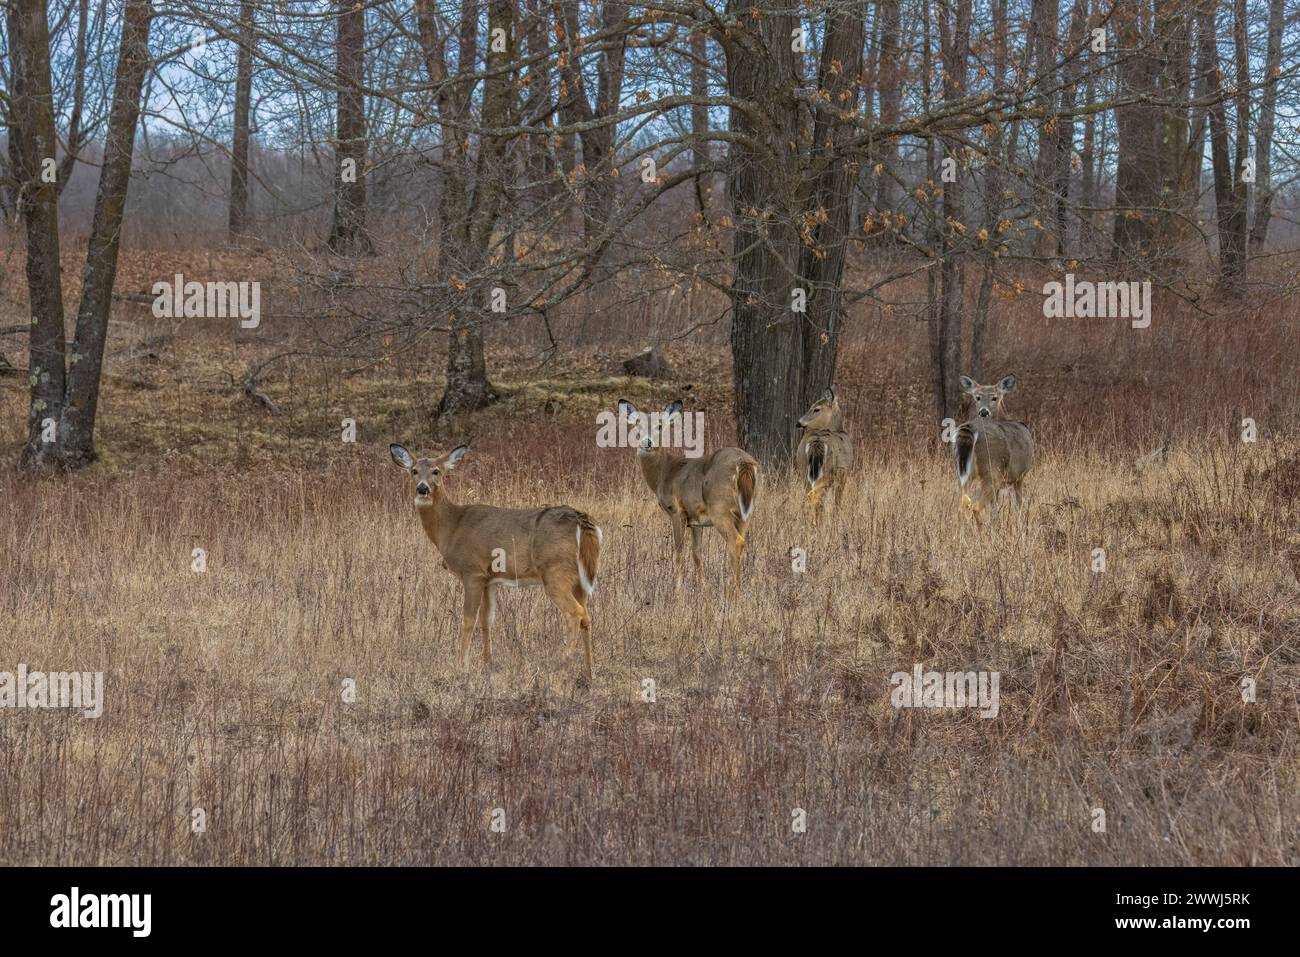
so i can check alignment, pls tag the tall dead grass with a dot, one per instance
(1119, 691)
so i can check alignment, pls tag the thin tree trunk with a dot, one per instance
(238, 219)
(598, 139)
(700, 117)
(1046, 24)
(891, 92)
(1264, 134)
(992, 199)
(77, 426)
(1229, 193)
(76, 132)
(955, 33)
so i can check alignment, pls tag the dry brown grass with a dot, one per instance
(1118, 691)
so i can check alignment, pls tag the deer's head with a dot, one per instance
(986, 400)
(650, 433)
(824, 414)
(426, 474)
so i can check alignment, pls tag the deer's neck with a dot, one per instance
(654, 467)
(439, 518)
(835, 423)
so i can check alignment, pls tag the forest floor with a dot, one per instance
(302, 692)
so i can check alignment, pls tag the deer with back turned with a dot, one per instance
(825, 452)
(992, 452)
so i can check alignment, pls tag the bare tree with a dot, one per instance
(348, 233)
(64, 401)
(32, 149)
(238, 220)
(1267, 123)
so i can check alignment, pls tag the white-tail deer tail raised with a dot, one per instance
(556, 547)
(992, 452)
(825, 452)
(717, 491)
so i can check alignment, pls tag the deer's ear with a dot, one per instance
(627, 411)
(829, 395)
(1007, 383)
(455, 455)
(674, 408)
(401, 457)
(968, 384)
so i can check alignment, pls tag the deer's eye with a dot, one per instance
(435, 471)
(413, 471)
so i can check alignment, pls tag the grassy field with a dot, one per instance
(1120, 690)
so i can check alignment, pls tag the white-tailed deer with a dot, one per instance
(715, 490)
(992, 452)
(556, 547)
(825, 452)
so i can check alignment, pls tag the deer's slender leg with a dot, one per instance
(697, 546)
(473, 598)
(815, 499)
(487, 612)
(734, 534)
(584, 626)
(563, 595)
(678, 517)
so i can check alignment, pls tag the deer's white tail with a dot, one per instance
(965, 446)
(746, 479)
(590, 538)
(816, 461)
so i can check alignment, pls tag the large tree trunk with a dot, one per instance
(1154, 192)
(239, 147)
(830, 203)
(789, 187)
(348, 235)
(77, 426)
(766, 340)
(32, 141)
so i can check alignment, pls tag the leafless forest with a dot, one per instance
(248, 245)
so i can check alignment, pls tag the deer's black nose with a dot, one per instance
(422, 488)
(984, 413)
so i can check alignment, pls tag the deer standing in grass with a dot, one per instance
(556, 547)
(716, 491)
(992, 453)
(825, 452)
